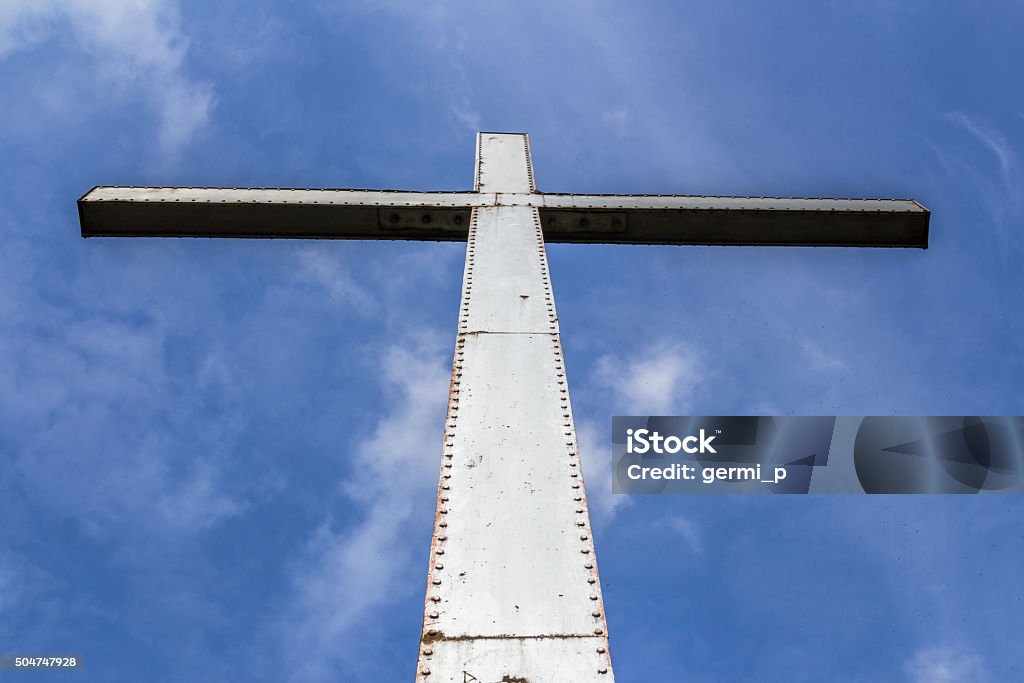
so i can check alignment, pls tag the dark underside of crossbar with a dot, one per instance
(704, 226)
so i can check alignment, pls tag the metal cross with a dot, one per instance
(513, 592)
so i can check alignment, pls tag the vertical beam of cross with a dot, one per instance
(513, 591)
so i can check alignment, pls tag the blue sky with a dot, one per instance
(218, 458)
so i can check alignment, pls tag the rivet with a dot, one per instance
(602, 670)
(434, 615)
(593, 597)
(442, 538)
(595, 614)
(438, 566)
(585, 551)
(440, 551)
(427, 651)
(600, 650)
(437, 582)
(425, 672)
(589, 566)
(598, 631)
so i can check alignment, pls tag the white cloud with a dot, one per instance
(995, 142)
(597, 469)
(945, 665)
(131, 44)
(618, 120)
(689, 531)
(347, 573)
(658, 380)
(321, 265)
(820, 360)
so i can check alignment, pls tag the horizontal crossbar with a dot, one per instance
(444, 216)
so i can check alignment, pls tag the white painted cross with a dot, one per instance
(513, 593)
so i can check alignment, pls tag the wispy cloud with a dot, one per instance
(820, 360)
(323, 267)
(945, 665)
(348, 571)
(618, 119)
(991, 139)
(689, 531)
(597, 469)
(132, 46)
(657, 380)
